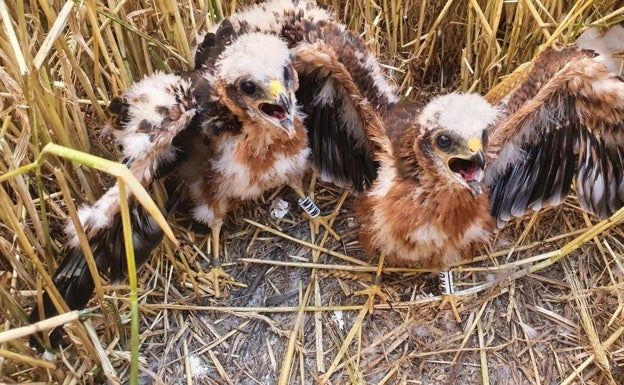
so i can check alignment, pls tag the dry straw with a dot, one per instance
(543, 305)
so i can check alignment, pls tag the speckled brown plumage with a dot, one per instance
(230, 128)
(325, 55)
(412, 213)
(565, 121)
(570, 129)
(227, 132)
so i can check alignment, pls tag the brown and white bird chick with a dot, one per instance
(265, 148)
(231, 129)
(453, 170)
(229, 132)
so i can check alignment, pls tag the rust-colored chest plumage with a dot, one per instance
(247, 165)
(242, 166)
(421, 224)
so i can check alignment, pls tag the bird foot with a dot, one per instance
(218, 278)
(452, 300)
(373, 291)
(312, 212)
(323, 220)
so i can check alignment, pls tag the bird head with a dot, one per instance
(454, 133)
(258, 76)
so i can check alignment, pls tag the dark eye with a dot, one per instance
(444, 142)
(248, 87)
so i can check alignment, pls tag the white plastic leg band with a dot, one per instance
(446, 282)
(309, 207)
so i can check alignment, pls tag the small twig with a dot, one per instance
(485, 378)
(27, 360)
(357, 325)
(46, 324)
(307, 244)
(8, 26)
(107, 367)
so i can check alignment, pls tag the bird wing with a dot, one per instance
(215, 42)
(282, 18)
(147, 122)
(344, 95)
(342, 90)
(565, 121)
(73, 278)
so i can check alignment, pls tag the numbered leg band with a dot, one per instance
(309, 207)
(446, 282)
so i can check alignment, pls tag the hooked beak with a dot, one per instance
(281, 109)
(469, 168)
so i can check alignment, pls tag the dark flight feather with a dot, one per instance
(73, 278)
(569, 127)
(340, 147)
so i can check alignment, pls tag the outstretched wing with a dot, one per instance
(344, 95)
(148, 121)
(73, 278)
(566, 121)
(282, 18)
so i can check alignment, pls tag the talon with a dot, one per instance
(451, 299)
(217, 277)
(448, 288)
(312, 212)
(323, 220)
(373, 291)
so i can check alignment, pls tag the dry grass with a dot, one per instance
(540, 307)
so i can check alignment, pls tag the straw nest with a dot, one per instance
(543, 305)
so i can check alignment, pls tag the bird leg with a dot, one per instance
(374, 290)
(448, 289)
(216, 275)
(313, 213)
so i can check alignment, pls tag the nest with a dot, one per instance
(543, 303)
